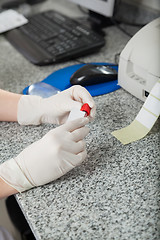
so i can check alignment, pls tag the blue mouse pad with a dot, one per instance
(61, 80)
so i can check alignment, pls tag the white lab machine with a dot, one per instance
(139, 65)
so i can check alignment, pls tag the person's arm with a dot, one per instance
(34, 110)
(8, 112)
(8, 106)
(6, 190)
(47, 159)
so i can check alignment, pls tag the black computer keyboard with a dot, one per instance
(51, 37)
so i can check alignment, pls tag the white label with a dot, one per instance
(75, 114)
(11, 19)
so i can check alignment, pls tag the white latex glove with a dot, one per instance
(55, 109)
(60, 150)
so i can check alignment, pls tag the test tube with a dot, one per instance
(76, 113)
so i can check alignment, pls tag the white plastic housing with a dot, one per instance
(139, 66)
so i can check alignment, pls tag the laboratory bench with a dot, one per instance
(114, 193)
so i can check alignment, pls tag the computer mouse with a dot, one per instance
(90, 74)
(42, 89)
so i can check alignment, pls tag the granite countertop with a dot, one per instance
(114, 194)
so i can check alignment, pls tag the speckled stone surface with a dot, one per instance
(115, 193)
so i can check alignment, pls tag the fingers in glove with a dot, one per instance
(80, 157)
(79, 134)
(82, 95)
(74, 147)
(75, 124)
(92, 112)
(75, 159)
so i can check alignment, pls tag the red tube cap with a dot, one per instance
(86, 108)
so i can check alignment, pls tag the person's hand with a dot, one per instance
(60, 150)
(55, 109)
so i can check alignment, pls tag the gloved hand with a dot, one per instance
(60, 150)
(55, 109)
